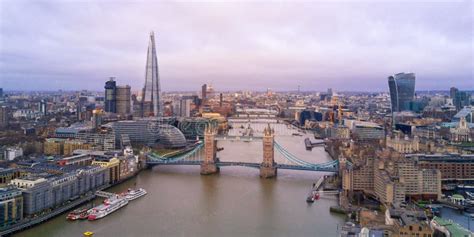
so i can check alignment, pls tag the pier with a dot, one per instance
(104, 194)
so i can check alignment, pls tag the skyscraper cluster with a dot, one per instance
(117, 98)
(460, 98)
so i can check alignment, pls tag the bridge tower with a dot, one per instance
(268, 167)
(208, 166)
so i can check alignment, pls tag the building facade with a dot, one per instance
(110, 96)
(405, 145)
(11, 206)
(123, 96)
(151, 101)
(402, 91)
(42, 192)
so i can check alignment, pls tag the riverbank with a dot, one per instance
(235, 202)
(29, 222)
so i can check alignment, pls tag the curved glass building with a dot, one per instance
(149, 132)
(170, 137)
(402, 91)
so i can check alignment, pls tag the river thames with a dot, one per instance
(235, 202)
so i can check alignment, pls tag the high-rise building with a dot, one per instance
(452, 92)
(117, 98)
(204, 93)
(402, 91)
(185, 107)
(151, 104)
(43, 106)
(3, 116)
(123, 103)
(220, 100)
(110, 96)
(460, 98)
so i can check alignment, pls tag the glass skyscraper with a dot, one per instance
(151, 92)
(402, 91)
(110, 96)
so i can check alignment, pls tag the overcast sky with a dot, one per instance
(351, 45)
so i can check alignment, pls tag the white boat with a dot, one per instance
(464, 186)
(470, 194)
(133, 194)
(110, 205)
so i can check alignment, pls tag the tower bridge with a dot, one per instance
(204, 155)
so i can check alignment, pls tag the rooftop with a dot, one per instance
(453, 228)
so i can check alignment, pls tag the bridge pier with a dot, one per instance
(208, 166)
(268, 167)
(268, 172)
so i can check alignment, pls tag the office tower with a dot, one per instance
(204, 93)
(460, 98)
(402, 91)
(185, 107)
(3, 116)
(151, 104)
(1, 93)
(97, 118)
(329, 92)
(123, 96)
(452, 92)
(110, 96)
(220, 100)
(43, 107)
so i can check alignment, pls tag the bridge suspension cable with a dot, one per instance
(298, 161)
(196, 151)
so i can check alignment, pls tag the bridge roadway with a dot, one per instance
(245, 164)
(237, 138)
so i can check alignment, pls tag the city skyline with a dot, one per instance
(277, 46)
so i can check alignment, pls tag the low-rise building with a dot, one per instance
(461, 133)
(12, 153)
(405, 145)
(392, 178)
(451, 166)
(112, 164)
(408, 223)
(8, 174)
(11, 206)
(42, 191)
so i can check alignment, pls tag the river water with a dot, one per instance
(235, 202)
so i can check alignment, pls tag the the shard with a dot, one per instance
(151, 105)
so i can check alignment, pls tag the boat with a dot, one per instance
(464, 186)
(110, 205)
(470, 194)
(133, 194)
(449, 187)
(470, 202)
(312, 197)
(77, 214)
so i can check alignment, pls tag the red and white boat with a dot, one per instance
(77, 214)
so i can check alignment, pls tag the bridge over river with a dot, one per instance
(204, 155)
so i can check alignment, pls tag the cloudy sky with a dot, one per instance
(350, 45)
